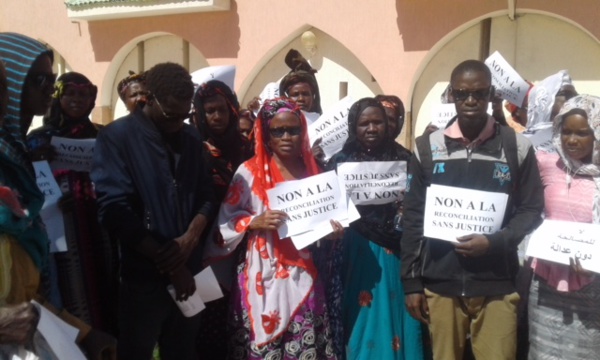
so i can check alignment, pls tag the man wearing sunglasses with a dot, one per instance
(466, 287)
(155, 194)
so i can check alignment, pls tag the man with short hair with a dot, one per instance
(155, 194)
(467, 287)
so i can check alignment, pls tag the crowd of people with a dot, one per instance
(181, 183)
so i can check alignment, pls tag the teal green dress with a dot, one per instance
(377, 324)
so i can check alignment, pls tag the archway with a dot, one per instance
(141, 54)
(340, 72)
(522, 42)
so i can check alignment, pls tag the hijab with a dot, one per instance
(301, 72)
(591, 105)
(541, 100)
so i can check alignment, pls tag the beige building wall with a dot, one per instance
(406, 46)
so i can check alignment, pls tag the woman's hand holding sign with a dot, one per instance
(269, 220)
(472, 245)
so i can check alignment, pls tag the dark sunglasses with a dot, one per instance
(173, 117)
(462, 95)
(280, 131)
(42, 80)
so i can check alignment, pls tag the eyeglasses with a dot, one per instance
(280, 131)
(462, 95)
(42, 80)
(173, 117)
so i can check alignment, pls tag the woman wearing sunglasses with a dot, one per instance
(279, 306)
(87, 271)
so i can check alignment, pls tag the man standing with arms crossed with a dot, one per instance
(467, 287)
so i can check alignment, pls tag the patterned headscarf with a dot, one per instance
(132, 78)
(301, 72)
(57, 117)
(541, 100)
(393, 102)
(591, 105)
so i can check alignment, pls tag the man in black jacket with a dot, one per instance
(466, 286)
(155, 193)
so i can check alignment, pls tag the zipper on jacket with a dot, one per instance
(469, 153)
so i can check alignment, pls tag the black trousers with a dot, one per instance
(148, 315)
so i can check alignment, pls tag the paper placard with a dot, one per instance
(50, 213)
(332, 128)
(557, 241)
(309, 203)
(541, 140)
(60, 336)
(207, 289)
(225, 73)
(271, 91)
(451, 212)
(373, 182)
(72, 154)
(508, 83)
(441, 114)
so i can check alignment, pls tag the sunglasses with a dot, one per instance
(462, 95)
(42, 80)
(173, 117)
(280, 131)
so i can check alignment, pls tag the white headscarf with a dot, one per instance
(541, 100)
(591, 105)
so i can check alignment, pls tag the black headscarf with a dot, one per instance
(301, 72)
(377, 221)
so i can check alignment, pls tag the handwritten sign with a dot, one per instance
(558, 241)
(508, 83)
(207, 289)
(50, 213)
(451, 212)
(373, 182)
(332, 128)
(309, 203)
(271, 91)
(72, 154)
(541, 140)
(224, 73)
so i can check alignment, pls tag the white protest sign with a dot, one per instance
(271, 91)
(225, 73)
(50, 213)
(541, 140)
(451, 212)
(373, 182)
(72, 154)
(207, 289)
(59, 335)
(332, 127)
(309, 203)
(557, 241)
(441, 114)
(508, 83)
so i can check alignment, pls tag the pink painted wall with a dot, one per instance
(391, 38)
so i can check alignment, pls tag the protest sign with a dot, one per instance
(441, 114)
(332, 128)
(451, 212)
(225, 73)
(541, 140)
(309, 203)
(50, 213)
(271, 91)
(60, 336)
(72, 154)
(373, 182)
(207, 289)
(508, 83)
(558, 241)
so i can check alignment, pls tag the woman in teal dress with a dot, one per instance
(376, 324)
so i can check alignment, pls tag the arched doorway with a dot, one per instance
(523, 42)
(340, 72)
(141, 54)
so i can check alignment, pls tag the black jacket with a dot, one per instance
(143, 188)
(434, 264)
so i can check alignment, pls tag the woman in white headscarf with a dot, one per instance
(564, 311)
